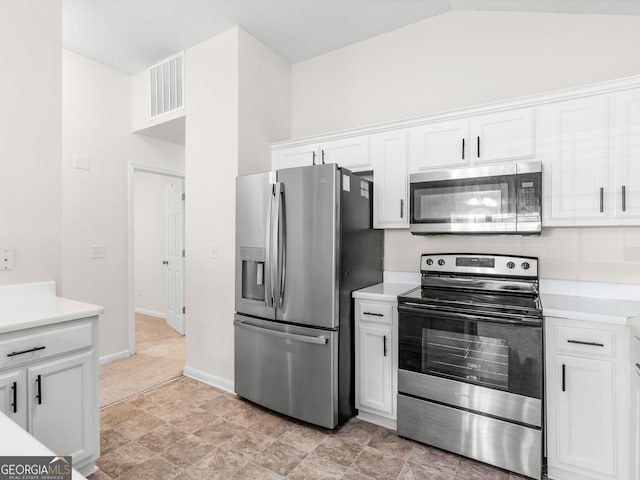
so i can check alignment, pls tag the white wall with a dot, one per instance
(30, 142)
(236, 103)
(468, 58)
(96, 123)
(264, 103)
(150, 240)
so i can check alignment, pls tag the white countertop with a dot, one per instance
(31, 305)
(385, 291)
(15, 441)
(605, 310)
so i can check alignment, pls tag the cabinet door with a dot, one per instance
(571, 142)
(626, 141)
(351, 152)
(389, 162)
(299, 156)
(585, 420)
(438, 145)
(62, 405)
(13, 396)
(502, 136)
(375, 389)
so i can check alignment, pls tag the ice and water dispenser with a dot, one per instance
(253, 273)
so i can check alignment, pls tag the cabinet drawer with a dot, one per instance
(43, 343)
(588, 341)
(376, 312)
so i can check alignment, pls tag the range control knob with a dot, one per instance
(511, 265)
(525, 265)
(429, 261)
(441, 262)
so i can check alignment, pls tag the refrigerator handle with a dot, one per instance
(275, 241)
(268, 277)
(282, 244)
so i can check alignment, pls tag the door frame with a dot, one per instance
(133, 168)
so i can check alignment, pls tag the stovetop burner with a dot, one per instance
(493, 290)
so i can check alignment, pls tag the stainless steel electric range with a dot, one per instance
(470, 376)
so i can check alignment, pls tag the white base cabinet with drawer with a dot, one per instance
(376, 325)
(49, 386)
(587, 400)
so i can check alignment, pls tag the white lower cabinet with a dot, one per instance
(635, 408)
(376, 361)
(587, 400)
(49, 386)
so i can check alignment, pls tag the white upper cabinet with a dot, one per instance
(571, 141)
(491, 137)
(349, 152)
(439, 145)
(298, 156)
(501, 136)
(389, 162)
(626, 154)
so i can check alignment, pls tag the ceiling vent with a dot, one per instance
(167, 86)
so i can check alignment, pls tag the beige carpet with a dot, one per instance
(159, 358)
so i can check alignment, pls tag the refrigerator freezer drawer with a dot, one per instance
(289, 369)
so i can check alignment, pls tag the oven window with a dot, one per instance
(470, 358)
(495, 355)
(464, 201)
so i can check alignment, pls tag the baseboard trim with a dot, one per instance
(378, 420)
(151, 313)
(114, 356)
(204, 377)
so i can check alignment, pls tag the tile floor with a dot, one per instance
(186, 430)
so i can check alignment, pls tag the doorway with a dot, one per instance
(156, 251)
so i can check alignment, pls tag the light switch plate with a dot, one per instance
(7, 259)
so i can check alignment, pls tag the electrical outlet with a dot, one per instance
(96, 251)
(7, 259)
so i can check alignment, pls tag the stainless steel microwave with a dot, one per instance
(492, 199)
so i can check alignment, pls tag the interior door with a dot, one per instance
(175, 256)
(306, 290)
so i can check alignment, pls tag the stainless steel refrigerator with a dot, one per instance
(304, 242)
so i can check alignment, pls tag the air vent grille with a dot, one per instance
(167, 86)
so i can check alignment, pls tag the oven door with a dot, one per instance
(489, 353)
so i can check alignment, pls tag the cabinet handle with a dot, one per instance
(463, 149)
(401, 208)
(601, 199)
(580, 342)
(322, 156)
(384, 345)
(624, 198)
(374, 314)
(564, 377)
(313, 159)
(14, 389)
(638, 366)
(478, 146)
(34, 349)
(39, 383)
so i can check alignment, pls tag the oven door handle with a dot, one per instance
(420, 309)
